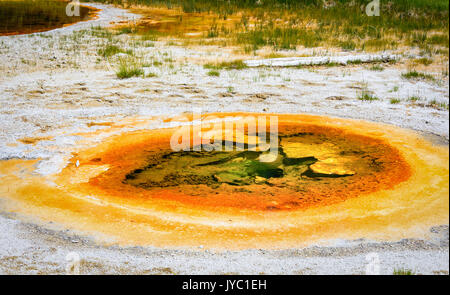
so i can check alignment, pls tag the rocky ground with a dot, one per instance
(55, 84)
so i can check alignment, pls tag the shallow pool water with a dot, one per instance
(27, 16)
(303, 161)
(312, 166)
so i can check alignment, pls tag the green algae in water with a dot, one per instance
(204, 167)
(213, 168)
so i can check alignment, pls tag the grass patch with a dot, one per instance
(414, 75)
(328, 65)
(279, 38)
(126, 30)
(440, 39)
(128, 69)
(213, 73)
(438, 105)
(213, 31)
(355, 62)
(376, 68)
(403, 272)
(367, 96)
(150, 35)
(395, 89)
(395, 100)
(379, 44)
(110, 50)
(126, 72)
(348, 45)
(423, 61)
(100, 32)
(414, 98)
(286, 24)
(233, 65)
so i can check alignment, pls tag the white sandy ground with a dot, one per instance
(53, 84)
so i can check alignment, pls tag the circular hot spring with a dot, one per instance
(309, 180)
(309, 166)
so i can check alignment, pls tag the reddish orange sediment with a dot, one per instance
(407, 196)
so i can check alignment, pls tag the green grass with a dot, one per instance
(348, 45)
(424, 61)
(129, 68)
(110, 50)
(355, 62)
(395, 89)
(232, 65)
(231, 6)
(424, 39)
(328, 65)
(286, 24)
(395, 100)
(213, 31)
(383, 43)
(439, 39)
(438, 105)
(151, 75)
(150, 35)
(213, 73)
(126, 30)
(366, 96)
(376, 68)
(100, 32)
(279, 37)
(414, 98)
(403, 272)
(414, 75)
(128, 72)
